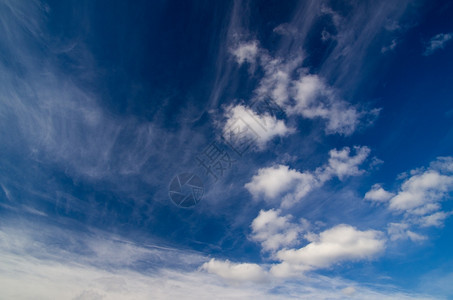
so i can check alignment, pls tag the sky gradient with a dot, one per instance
(226, 149)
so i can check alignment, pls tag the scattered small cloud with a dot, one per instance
(419, 198)
(274, 231)
(236, 272)
(390, 47)
(246, 52)
(337, 244)
(302, 94)
(287, 186)
(436, 220)
(437, 42)
(400, 231)
(378, 194)
(243, 122)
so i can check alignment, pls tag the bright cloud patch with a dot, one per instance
(419, 198)
(235, 272)
(274, 181)
(340, 243)
(244, 123)
(280, 183)
(420, 189)
(378, 194)
(274, 231)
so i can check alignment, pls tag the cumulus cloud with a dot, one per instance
(281, 184)
(437, 42)
(378, 194)
(420, 189)
(274, 231)
(245, 124)
(236, 272)
(342, 163)
(340, 243)
(418, 198)
(274, 181)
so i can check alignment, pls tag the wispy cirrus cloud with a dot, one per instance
(100, 265)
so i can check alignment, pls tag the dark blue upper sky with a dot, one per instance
(343, 111)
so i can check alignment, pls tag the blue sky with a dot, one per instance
(310, 146)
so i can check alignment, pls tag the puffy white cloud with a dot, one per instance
(418, 199)
(236, 272)
(246, 52)
(288, 186)
(274, 231)
(427, 187)
(340, 243)
(278, 180)
(437, 42)
(243, 123)
(342, 164)
(378, 194)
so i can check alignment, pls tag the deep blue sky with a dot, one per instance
(344, 192)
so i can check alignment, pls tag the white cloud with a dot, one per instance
(340, 243)
(274, 181)
(443, 164)
(349, 291)
(277, 81)
(299, 93)
(274, 231)
(342, 164)
(437, 42)
(427, 187)
(378, 194)
(244, 123)
(36, 258)
(437, 219)
(288, 186)
(314, 99)
(418, 199)
(400, 231)
(236, 272)
(246, 52)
